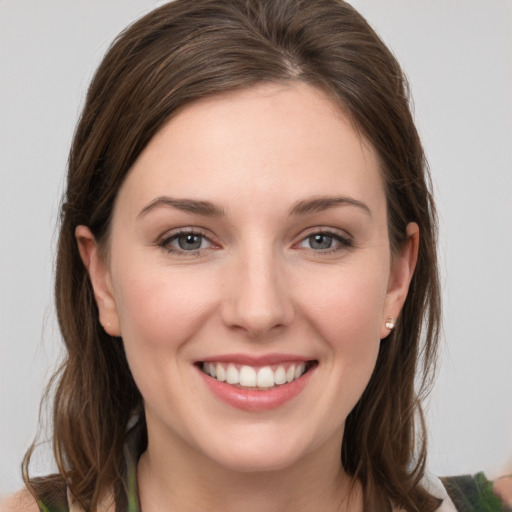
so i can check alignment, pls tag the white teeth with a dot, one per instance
(280, 375)
(265, 377)
(232, 375)
(247, 377)
(220, 372)
(300, 370)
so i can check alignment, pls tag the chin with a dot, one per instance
(258, 453)
(257, 463)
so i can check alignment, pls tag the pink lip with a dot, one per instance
(251, 360)
(257, 400)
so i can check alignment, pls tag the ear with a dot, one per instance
(402, 269)
(99, 275)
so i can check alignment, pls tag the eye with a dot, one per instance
(320, 241)
(186, 242)
(325, 242)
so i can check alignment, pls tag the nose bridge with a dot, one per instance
(258, 301)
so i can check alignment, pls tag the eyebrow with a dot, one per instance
(205, 208)
(209, 209)
(320, 204)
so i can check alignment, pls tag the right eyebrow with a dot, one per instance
(322, 203)
(205, 208)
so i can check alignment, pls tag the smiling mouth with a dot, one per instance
(258, 378)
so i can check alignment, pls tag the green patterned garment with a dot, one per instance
(472, 493)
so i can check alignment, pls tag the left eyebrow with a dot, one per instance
(322, 203)
(205, 208)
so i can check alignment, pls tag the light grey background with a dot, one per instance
(458, 56)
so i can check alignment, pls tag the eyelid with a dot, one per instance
(165, 240)
(344, 239)
(326, 230)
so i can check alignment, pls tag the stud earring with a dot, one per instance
(390, 323)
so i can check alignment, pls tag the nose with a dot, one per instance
(257, 299)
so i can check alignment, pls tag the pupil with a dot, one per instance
(189, 242)
(321, 242)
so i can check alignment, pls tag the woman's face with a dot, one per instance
(249, 243)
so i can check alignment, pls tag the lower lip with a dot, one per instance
(256, 400)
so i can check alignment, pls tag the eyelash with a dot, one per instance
(166, 242)
(342, 242)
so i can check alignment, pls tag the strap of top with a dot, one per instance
(52, 492)
(53, 496)
(472, 493)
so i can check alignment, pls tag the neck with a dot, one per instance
(189, 482)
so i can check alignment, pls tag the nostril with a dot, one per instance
(258, 302)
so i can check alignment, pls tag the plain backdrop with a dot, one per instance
(458, 56)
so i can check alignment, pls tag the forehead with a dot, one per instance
(275, 141)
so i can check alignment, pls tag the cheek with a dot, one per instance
(347, 311)
(347, 306)
(160, 313)
(160, 316)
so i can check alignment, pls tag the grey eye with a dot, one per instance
(320, 241)
(324, 242)
(190, 242)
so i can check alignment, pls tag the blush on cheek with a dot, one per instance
(351, 318)
(162, 309)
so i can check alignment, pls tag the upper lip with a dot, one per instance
(256, 360)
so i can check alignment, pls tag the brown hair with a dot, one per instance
(187, 50)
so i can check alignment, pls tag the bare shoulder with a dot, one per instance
(22, 501)
(503, 488)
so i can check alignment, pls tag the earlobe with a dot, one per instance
(99, 275)
(402, 270)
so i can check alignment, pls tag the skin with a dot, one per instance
(258, 285)
(503, 489)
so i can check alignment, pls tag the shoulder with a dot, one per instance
(21, 501)
(503, 488)
(51, 492)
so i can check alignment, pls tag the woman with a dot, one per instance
(246, 261)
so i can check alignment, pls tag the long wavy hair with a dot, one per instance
(175, 55)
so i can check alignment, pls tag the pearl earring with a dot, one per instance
(390, 323)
